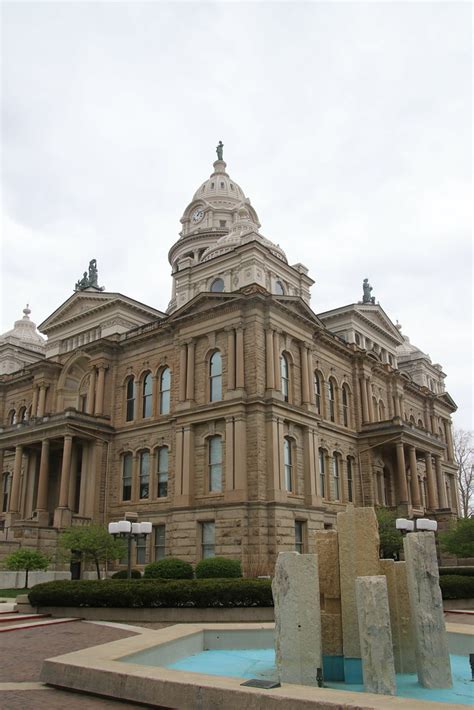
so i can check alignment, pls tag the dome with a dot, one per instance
(219, 186)
(407, 349)
(24, 334)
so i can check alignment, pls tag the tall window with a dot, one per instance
(141, 550)
(285, 377)
(6, 485)
(350, 483)
(317, 392)
(288, 459)
(215, 377)
(127, 468)
(130, 413)
(208, 534)
(322, 472)
(345, 405)
(145, 474)
(279, 288)
(214, 444)
(162, 472)
(22, 414)
(12, 417)
(147, 395)
(217, 286)
(165, 390)
(160, 542)
(299, 536)
(332, 400)
(336, 477)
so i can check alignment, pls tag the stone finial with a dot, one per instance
(367, 290)
(89, 278)
(26, 312)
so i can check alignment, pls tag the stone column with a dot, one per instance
(15, 489)
(329, 476)
(190, 371)
(91, 392)
(449, 440)
(179, 463)
(99, 400)
(42, 500)
(295, 590)
(34, 402)
(229, 455)
(239, 359)
(73, 477)
(414, 483)
(240, 454)
(276, 360)
(432, 498)
(304, 374)
(231, 359)
(396, 403)
(135, 477)
(378, 668)
(365, 407)
(402, 490)
(273, 457)
(182, 372)
(309, 357)
(42, 400)
(431, 648)
(442, 498)
(269, 359)
(188, 464)
(369, 400)
(310, 484)
(65, 472)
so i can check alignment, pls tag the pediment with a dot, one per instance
(296, 305)
(202, 303)
(372, 316)
(447, 399)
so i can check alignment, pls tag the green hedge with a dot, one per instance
(169, 568)
(199, 593)
(454, 586)
(462, 571)
(122, 574)
(218, 568)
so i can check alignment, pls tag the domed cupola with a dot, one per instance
(21, 345)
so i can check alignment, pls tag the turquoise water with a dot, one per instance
(260, 663)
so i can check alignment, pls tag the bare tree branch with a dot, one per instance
(464, 458)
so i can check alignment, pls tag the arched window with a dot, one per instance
(217, 286)
(6, 486)
(162, 471)
(381, 411)
(22, 414)
(144, 474)
(336, 477)
(214, 444)
(130, 408)
(420, 424)
(147, 395)
(165, 391)
(279, 289)
(345, 405)
(285, 377)
(412, 419)
(127, 469)
(11, 417)
(288, 462)
(215, 377)
(332, 400)
(322, 472)
(317, 392)
(350, 480)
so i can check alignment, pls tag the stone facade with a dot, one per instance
(239, 422)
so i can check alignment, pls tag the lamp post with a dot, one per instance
(129, 531)
(417, 525)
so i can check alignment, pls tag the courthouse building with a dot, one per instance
(238, 421)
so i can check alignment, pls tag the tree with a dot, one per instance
(464, 458)
(27, 560)
(91, 544)
(391, 539)
(459, 540)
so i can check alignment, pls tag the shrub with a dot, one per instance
(199, 593)
(122, 574)
(169, 568)
(455, 586)
(218, 567)
(459, 539)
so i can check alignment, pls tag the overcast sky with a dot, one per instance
(347, 124)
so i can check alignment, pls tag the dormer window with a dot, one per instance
(279, 289)
(222, 222)
(212, 185)
(357, 338)
(222, 185)
(231, 186)
(217, 285)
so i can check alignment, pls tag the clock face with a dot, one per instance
(197, 215)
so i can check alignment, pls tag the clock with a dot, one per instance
(197, 215)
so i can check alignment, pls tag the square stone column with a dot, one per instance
(330, 602)
(295, 590)
(400, 615)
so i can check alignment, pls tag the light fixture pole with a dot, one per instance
(129, 531)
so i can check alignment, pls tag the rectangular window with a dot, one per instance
(322, 473)
(335, 470)
(215, 464)
(160, 542)
(144, 474)
(141, 550)
(208, 532)
(288, 464)
(350, 493)
(127, 477)
(162, 473)
(299, 536)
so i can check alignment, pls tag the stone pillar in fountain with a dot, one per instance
(330, 601)
(400, 615)
(295, 590)
(378, 668)
(431, 648)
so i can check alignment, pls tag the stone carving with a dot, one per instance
(378, 667)
(431, 647)
(295, 590)
(220, 151)
(89, 278)
(367, 289)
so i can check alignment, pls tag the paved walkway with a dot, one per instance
(23, 652)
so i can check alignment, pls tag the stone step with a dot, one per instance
(32, 624)
(15, 616)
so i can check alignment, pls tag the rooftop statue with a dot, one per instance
(367, 288)
(220, 151)
(89, 279)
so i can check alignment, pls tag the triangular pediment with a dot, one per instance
(201, 303)
(372, 315)
(447, 399)
(296, 305)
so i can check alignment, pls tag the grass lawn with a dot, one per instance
(12, 592)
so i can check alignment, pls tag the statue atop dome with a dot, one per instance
(367, 289)
(220, 151)
(90, 278)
